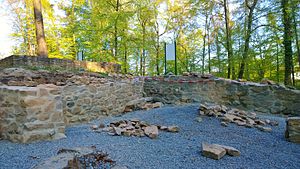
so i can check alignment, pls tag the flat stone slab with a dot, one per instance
(213, 151)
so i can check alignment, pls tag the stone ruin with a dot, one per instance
(39, 104)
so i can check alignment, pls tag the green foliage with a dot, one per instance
(132, 33)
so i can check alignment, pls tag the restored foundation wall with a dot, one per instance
(31, 61)
(31, 113)
(263, 98)
(87, 102)
(41, 113)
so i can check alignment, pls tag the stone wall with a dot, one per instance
(41, 113)
(265, 98)
(83, 103)
(31, 61)
(31, 113)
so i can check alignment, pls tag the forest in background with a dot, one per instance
(245, 39)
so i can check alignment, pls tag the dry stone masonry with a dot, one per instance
(31, 113)
(37, 105)
(263, 98)
(292, 132)
(32, 61)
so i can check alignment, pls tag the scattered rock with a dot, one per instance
(199, 119)
(151, 131)
(230, 150)
(173, 129)
(76, 158)
(94, 127)
(101, 125)
(118, 131)
(274, 123)
(239, 117)
(213, 151)
(223, 123)
(133, 127)
(262, 128)
(163, 128)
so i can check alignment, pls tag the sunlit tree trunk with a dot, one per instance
(115, 54)
(228, 38)
(204, 43)
(248, 36)
(40, 36)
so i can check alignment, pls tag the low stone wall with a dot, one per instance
(87, 102)
(31, 113)
(41, 113)
(263, 98)
(25, 61)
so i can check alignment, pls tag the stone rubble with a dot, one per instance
(217, 151)
(133, 127)
(145, 103)
(236, 116)
(77, 158)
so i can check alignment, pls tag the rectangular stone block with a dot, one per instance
(292, 132)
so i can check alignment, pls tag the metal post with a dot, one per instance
(165, 58)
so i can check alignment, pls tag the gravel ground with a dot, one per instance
(170, 150)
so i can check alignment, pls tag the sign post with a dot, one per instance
(170, 54)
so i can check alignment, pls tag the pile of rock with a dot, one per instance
(216, 151)
(145, 103)
(133, 127)
(239, 117)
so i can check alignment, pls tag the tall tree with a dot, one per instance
(287, 41)
(228, 38)
(251, 8)
(39, 28)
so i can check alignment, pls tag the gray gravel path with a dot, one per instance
(170, 150)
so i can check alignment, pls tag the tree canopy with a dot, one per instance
(249, 39)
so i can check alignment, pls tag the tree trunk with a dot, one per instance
(228, 38)
(218, 53)
(247, 38)
(144, 50)
(157, 52)
(125, 59)
(287, 41)
(277, 62)
(40, 36)
(296, 34)
(116, 33)
(208, 46)
(204, 43)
